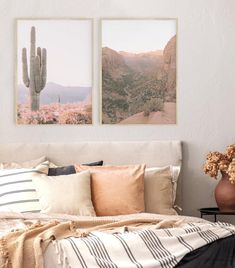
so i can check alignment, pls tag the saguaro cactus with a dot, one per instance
(35, 80)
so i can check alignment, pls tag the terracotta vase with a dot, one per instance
(225, 194)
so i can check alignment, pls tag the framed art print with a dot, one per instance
(54, 71)
(139, 71)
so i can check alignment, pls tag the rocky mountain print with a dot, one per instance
(139, 88)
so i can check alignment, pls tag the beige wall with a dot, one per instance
(206, 83)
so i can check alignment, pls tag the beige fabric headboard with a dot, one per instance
(152, 153)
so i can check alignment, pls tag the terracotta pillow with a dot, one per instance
(116, 190)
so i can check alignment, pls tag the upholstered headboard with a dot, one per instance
(152, 153)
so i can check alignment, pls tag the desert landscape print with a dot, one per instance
(54, 71)
(139, 71)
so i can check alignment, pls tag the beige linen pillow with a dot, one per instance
(66, 194)
(116, 190)
(160, 187)
(27, 164)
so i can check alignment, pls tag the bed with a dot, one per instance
(136, 240)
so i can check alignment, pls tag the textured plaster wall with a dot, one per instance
(206, 80)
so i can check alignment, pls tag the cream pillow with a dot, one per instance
(66, 194)
(160, 190)
(27, 164)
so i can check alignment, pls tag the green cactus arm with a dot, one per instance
(25, 67)
(39, 53)
(37, 76)
(43, 68)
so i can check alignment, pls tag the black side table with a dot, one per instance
(215, 212)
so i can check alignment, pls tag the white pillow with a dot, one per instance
(66, 194)
(17, 191)
(160, 189)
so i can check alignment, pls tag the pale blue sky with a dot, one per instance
(69, 49)
(137, 35)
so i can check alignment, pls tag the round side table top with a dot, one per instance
(216, 211)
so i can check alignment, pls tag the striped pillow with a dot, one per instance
(17, 191)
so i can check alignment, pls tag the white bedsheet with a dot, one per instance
(147, 248)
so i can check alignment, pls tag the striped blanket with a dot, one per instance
(147, 248)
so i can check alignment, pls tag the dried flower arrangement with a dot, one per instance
(223, 162)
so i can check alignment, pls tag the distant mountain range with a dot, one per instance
(54, 93)
(131, 80)
(148, 62)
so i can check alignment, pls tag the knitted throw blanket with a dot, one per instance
(25, 248)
